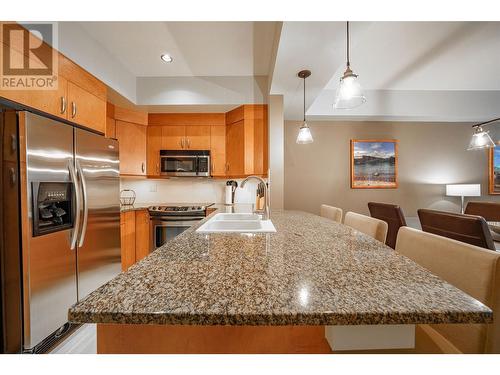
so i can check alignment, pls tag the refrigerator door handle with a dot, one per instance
(72, 174)
(85, 204)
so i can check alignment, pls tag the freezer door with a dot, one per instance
(98, 166)
(49, 265)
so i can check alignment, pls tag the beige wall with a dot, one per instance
(276, 151)
(430, 156)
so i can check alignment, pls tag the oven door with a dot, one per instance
(163, 229)
(172, 165)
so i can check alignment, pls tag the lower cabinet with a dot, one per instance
(134, 234)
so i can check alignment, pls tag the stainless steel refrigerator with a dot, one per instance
(70, 219)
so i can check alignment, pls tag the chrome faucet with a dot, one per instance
(265, 213)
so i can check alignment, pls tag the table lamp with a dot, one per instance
(463, 190)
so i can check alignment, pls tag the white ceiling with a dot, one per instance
(198, 48)
(423, 61)
(425, 71)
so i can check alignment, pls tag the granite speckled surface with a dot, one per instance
(311, 272)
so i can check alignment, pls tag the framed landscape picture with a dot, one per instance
(494, 170)
(374, 164)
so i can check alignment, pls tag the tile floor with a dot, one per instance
(82, 341)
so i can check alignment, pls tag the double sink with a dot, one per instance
(237, 223)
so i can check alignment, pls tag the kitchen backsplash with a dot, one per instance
(186, 190)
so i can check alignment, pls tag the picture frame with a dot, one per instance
(494, 170)
(374, 164)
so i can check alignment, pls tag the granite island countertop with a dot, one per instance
(312, 271)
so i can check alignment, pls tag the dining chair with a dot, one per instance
(465, 228)
(489, 210)
(368, 225)
(472, 269)
(332, 213)
(393, 215)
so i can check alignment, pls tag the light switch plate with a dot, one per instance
(153, 188)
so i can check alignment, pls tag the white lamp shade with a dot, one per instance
(304, 135)
(480, 139)
(349, 93)
(463, 190)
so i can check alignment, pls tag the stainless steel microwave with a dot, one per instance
(185, 163)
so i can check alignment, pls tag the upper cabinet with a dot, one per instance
(153, 147)
(247, 141)
(197, 137)
(131, 131)
(218, 150)
(78, 96)
(86, 96)
(183, 131)
(237, 140)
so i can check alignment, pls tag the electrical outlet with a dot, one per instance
(153, 188)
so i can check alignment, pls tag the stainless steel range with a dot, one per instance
(168, 221)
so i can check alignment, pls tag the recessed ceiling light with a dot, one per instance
(166, 57)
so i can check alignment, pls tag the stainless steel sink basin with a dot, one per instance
(237, 223)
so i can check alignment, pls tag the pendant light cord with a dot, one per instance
(486, 122)
(304, 99)
(348, 62)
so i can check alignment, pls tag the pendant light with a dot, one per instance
(349, 93)
(304, 135)
(480, 138)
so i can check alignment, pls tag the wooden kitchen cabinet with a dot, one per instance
(127, 238)
(79, 96)
(110, 128)
(197, 137)
(218, 150)
(235, 149)
(86, 109)
(142, 236)
(154, 145)
(49, 101)
(173, 137)
(110, 121)
(135, 236)
(190, 137)
(132, 141)
(247, 141)
(86, 96)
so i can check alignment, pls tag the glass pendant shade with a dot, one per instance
(349, 93)
(480, 139)
(304, 135)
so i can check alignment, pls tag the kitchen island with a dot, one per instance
(263, 293)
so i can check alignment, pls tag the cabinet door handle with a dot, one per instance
(13, 143)
(63, 104)
(158, 168)
(143, 167)
(188, 142)
(73, 109)
(182, 142)
(227, 167)
(13, 177)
